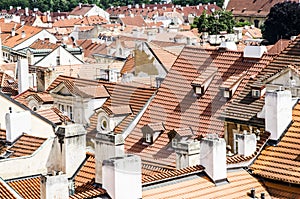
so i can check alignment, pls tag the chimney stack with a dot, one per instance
(13, 32)
(68, 149)
(122, 177)
(23, 75)
(80, 5)
(213, 157)
(278, 116)
(16, 124)
(246, 143)
(54, 186)
(23, 34)
(187, 154)
(107, 146)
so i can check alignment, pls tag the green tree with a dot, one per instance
(282, 22)
(216, 22)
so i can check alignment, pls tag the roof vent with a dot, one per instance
(228, 45)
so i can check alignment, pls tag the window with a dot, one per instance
(256, 23)
(226, 94)
(255, 93)
(71, 113)
(58, 60)
(174, 142)
(103, 124)
(148, 138)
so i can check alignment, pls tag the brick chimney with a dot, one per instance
(122, 177)
(54, 185)
(107, 146)
(213, 157)
(278, 115)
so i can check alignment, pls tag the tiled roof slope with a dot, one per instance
(22, 96)
(26, 145)
(85, 179)
(5, 191)
(8, 84)
(81, 11)
(252, 8)
(63, 23)
(54, 115)
(177, 106)
(28, 188)
(239, 186)
(133, 21)
(43, 44)
(91, 20)
(120, 94)
(282, 191)
(245, 107)
(129, 65)
(281, 162)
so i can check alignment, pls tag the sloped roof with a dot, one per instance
(252, 8)
(54, 115)
(133, 21)
(91, 20)
(176, 105)
(81, 11)
(8, 84)
(63, 23)
(129, 65)
(13, 41)
(28, 188)
(7, 27)
(281, 162)
(6, 192)
(245, 107)
(278, 190)
(43, 44)
(239, 186)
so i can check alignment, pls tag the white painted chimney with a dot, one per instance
(26, 11)
(107, 146)
(68, 151)
(13, 32)
(254, 51)
(187, 154)
(23, 34)
(246, 143)
(278, 107)
(54, 186)
(16, 124)
(213, 157)
(80, 5)
(122, 177)
(23, 75)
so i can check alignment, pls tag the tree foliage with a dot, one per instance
(282, 22)
(216, 22)
(68, 5)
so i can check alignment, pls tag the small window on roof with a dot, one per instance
(255, 93)
(227, 93)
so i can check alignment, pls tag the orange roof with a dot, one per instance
(13, 41)
(133, 21)
(91, 20)
(8, 85)
(81, 11)
(280, 190)
(54, 115)
(43, 44)
(6, 192)
(28, 188)
(239, 186)
(129, 65)
(63, 23)
(176, 105)
(281, 162)
(7, 27)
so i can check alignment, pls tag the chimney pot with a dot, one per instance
(252, 193)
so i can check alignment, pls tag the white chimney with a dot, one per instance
(122, 177)
(107, 146)
(11, 7)
(23, 34)
(13, 32)
(80, 5)
(68, 149)
(26, 11)
(228, 45)
(18, 8)
(129, 6)
(187, 154)
(137, 6)
(246, 143)
(254, 51)
(278, 107)
(213, 157)
(23, 75)
(16, 124)
(54, 186)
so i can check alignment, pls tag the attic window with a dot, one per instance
(227, 94)
(201, 83)
(152, 131)
(255, 93)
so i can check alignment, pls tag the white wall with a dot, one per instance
(41, 35)
(27, 165)
(54, 187)
(39, 127)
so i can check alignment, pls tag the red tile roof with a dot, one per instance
(28, 188)
(281, 162)
(81, 11)
(133, 21)
(252, 8)
(7, 27)
(239, 186)
(129, 65)
(63, 23)
(177, 106)
(6, 192)
(43, 44)
(282, 191)
(8, 84)
(91, 20)
(13, 41)
(54, 115)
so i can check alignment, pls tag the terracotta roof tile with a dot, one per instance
(129, 65)
(54, 115)
(28, 188)
(8, 84)
(239, 186)
(13, 41)
(6, 192)
(63, 23)
(91, 20)
(176, 105)
(133, 21)
(22, 96)
(81, 11)
(281, 162)
(43, 44)
(253, 8)
(7, 27)
(282, 191)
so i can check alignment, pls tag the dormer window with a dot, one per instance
(227, 94)
(180, 135)
(255, 93)
(229, 87)
(201, 83)
(152, 131)
(258, 91)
